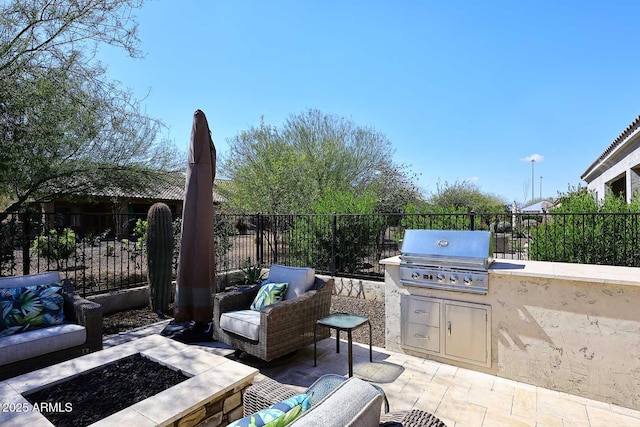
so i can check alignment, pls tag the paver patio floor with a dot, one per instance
(458, 396)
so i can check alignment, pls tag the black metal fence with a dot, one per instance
(105, 251)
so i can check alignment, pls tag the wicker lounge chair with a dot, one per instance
(268, 392)
(285, 326)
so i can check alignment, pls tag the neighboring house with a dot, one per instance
(540, 207)
(86, 213)
(617, 170)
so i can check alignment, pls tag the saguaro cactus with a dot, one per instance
(159, 256)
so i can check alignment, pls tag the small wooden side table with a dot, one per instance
(342, 322)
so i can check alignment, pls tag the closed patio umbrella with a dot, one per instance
(196, 263)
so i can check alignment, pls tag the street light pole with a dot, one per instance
(540, 187)
(533, 161)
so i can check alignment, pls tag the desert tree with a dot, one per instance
(287, 169)
(266, 175)
(466, 195)
(64, 125)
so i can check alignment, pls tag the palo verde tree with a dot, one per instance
(266, 173)
(288, 169)
(64, 126)
(449, 207)
(466, 195)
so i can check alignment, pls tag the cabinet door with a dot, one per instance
(466, 332)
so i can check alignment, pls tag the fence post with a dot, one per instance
(472, 217)
(26, 231)
(274, 225)
(259, 249)
(334, 232)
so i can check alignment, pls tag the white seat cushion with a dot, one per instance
(363, 408)
(300, 279)
(40, 341)
(245, 323)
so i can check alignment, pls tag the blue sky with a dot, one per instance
(462, 89)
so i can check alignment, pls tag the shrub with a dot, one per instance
(582, 230)
(56, 247)
(351, 236)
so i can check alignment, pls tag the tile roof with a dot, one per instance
(616, 142)
(171, 188)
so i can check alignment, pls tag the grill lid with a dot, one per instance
(452, 248)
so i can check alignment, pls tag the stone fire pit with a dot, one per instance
(213, 391)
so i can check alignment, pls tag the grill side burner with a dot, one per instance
(447, 259)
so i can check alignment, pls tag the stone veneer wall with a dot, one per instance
(568, 327)
(358, 288)
(220, 411)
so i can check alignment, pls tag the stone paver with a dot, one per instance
(458, 396)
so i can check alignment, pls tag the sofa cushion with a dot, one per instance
(363, 408)
(300, 279)
(269, 293)
(276, 415)
(245, 323)
(41, 341)
(31, 307)
(29, 280)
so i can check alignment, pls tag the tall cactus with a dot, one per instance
(159, 256)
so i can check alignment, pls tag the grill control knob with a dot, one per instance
(453, 278)
(415, 275)
(440, 277)
(467, 280)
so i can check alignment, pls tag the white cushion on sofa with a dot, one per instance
(300, 279)
(363, 408)
(40, 341)
(245, 323)
(29, 280)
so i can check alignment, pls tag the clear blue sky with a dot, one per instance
(463, 89)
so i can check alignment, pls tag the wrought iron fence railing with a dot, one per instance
(102, 252)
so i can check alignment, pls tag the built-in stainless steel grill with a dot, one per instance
(447, 259)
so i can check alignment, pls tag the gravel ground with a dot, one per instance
(373, 309)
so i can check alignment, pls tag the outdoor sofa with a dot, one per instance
(76, 332)
(276, 329)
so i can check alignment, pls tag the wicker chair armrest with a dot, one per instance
(76, 308)
(234, 300)
(85, 313)
(263, 394)
(311, 299)
(295, 316)
(90, 316)
(308, 297)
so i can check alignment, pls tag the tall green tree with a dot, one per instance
(64, 126)
(466, 195)
(338, 153)
(287, 169)
(266, 173)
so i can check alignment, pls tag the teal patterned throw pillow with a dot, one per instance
(269, 293)
(31, 307)
(278, 415)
